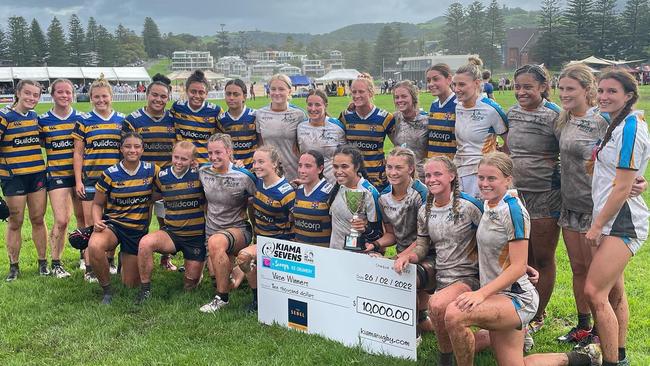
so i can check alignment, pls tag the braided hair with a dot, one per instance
(629, 85)
(455, 187)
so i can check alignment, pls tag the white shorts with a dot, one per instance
(159, 209)
(469, 185)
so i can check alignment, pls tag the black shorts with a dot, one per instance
(193, 247)
(59, 182)
(426, 275)
(21, 185)
(89, 186)
(128, 239)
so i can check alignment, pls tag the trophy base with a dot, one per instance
(353, 243)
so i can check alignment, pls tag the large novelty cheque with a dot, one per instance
(348, 297)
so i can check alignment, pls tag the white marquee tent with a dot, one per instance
(339, 75)
(119, 74)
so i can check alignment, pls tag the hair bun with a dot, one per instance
(475, 61)
(161, 78)
(198, 74)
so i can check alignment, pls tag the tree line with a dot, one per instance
(593, 27)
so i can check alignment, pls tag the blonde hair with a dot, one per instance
(368, 80)
(411, 88)
(100, 83)
(274, 155)
(499, 160)
(582, 74)
(455, 186)
(282, 77)
(472, 68)
(405, 153)
(187, 145)
(225, 139)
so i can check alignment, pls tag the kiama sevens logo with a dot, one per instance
(268, 249)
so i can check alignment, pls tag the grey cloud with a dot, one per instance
(204, 17)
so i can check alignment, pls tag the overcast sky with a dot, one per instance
(200, 17)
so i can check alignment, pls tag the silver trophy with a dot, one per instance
(355, 200)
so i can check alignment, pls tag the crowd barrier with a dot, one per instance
(117, 97)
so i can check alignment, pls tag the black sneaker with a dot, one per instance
(143, 296)
(107, 299)
(252, 307)
(43, 270)
(13, 274)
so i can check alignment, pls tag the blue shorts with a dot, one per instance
(128, 239)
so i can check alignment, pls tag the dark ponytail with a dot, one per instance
(629, 86)
(320, 160)
(357, 162)
(159, 79)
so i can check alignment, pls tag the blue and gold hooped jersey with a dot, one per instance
(441, 126)
(20, 145)
(195, 126)
(243, 133)
(368, 135)
(158, 135)
(184, 201)
(273, 206)
(56, 133)
(312, 223)
(102, 141)
(128, 197)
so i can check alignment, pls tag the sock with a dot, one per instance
(145, 286)
(111, 261)
(422, 315)
(107, 289)
(584, 321)
(594, 330)
(254, 294)
(578, 359)
(13, 266)
(223, 297)
(621, 353)
(445, 359)
(81, 254)
(42, 263)
(56, 263)
(89, 268)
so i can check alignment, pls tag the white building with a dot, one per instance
(313, 68)
(290, 70)
(231, 66)
(414, 68)
(191, 60)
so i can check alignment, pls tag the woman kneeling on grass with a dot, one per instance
(121, 213)
(184, 225)
(272, 204)
(227, 190)
(446, 228)
(507, 300)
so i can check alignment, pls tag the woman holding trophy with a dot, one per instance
(354, 203)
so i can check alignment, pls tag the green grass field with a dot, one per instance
(51, 321)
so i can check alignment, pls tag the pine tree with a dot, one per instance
(106, 47)
(18, 35)
(38, 45)
(359, 56)
(607, 42)
(76, 42)
(454, 31)
(550, 46)
(496, 34)
(4, 48)
(151, 38)
(56, 47)
(385, 54)
(130, 46)
(222, 43)
(476, 29)
(91, 35)
(579, 25)
(636, 15)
